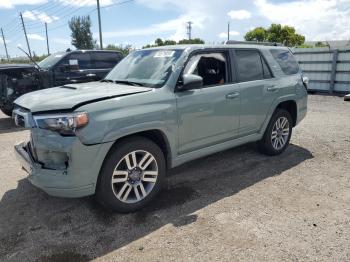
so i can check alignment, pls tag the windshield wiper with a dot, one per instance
(131, 83)
(107, 80)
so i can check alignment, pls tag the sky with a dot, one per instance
(140, 22)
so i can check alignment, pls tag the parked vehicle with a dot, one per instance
(57, 69)
(157, 109)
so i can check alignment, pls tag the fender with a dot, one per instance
(276, 102)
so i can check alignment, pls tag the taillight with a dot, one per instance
(305, 81)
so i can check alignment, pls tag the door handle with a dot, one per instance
(272, 88)
(91, 75)
(232, 95)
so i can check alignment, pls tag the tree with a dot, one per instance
(257, 34)
(191, 41)
(125, 50)
(81, 32)
(276, 33)
(320, 44)
(160, 42)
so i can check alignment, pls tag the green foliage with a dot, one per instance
(193, 41)
(317, 44)
(276, 33)
(124, 49)
(305, 46)
(81, 32)
(22, 60)
(320, 44)
(257, 34)
(160, 42)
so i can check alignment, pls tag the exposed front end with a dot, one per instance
(58, 163)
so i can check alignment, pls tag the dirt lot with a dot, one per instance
(235, 205)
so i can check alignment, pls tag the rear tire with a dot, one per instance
(277, 134)
(131, 176)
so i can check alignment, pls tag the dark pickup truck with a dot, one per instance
(57, 69)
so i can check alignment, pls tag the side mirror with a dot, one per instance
(190, 82)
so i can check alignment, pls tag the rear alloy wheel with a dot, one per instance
(131, 176)
(278, 133)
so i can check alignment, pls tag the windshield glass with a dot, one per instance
(149, 67)
(51, 60)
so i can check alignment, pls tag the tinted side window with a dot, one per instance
(105, 60)
(286, 61)
(267, 72)
(82, 60)
(249, 65)
(212, 67)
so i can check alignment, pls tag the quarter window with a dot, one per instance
(286, 61)
(212, 67)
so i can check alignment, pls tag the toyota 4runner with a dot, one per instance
(157, 109)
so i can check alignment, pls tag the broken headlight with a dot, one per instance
(65, 124)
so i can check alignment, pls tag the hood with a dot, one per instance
(72, 96)
(15, 66)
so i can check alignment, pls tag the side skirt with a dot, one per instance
(181, 159)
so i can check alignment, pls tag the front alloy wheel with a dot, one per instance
(131, 175)
(134, 176)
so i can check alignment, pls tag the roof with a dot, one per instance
(92, 51)
(221, 46)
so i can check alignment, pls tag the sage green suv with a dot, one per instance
(157, 109)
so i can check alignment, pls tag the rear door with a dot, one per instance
(103, 62)
(258, 89)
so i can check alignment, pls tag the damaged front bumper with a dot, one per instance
(77, 179)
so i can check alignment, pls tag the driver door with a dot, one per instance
(208, 115)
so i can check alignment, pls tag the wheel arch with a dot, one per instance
(157, 136)
(291, 107)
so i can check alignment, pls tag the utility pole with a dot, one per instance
(228, 31)
(47, 40)
(99, 23)
(189, 29)
(3, 39)
(25, 34)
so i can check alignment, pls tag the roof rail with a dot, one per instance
(234, 42)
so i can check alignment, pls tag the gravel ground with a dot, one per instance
(231, 206)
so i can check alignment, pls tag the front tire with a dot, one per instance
(131, 176)
(7, 110)
(277, 134)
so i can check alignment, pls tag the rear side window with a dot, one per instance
(249, 65)
(104, 60)
(286, 61)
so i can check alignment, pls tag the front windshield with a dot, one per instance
(51, 60)
(149, 67)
